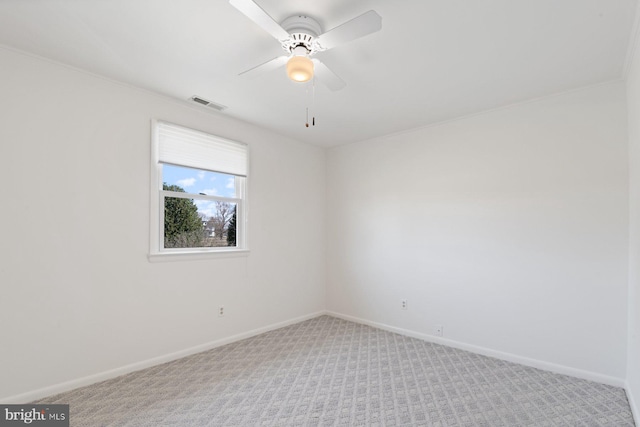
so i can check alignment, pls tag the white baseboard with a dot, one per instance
(632, 404)
(547, 366)
(106, 375)
(102, 376)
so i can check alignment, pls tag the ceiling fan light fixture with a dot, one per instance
(300, 69)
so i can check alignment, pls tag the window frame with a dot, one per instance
(157, 251)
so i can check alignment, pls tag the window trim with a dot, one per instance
(157, 252)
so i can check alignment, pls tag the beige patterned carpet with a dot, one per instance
(330, 372)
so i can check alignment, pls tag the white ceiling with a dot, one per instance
(433, 60)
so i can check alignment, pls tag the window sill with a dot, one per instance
(195, 255)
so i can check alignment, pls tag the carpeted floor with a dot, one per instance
(330, 372)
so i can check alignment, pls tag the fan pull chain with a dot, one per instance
(313, 103)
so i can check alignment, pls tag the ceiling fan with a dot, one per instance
(301, 37)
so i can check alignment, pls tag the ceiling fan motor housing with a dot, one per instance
(303, 32)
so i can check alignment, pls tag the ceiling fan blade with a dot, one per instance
(326, 76)
(360, 26)
(267, 66)
(260, 17)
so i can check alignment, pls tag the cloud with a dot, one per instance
(210, 192)
(206, 208)
(187, 182)
(231, 183)
(201, 175)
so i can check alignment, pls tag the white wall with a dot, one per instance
(509, 228)
(633, 355)
(78, 295)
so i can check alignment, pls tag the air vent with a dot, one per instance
(209, 104)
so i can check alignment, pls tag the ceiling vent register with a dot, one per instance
(206, 103)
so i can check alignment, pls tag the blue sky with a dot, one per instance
(200, 182)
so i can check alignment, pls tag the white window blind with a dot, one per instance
(181, 146)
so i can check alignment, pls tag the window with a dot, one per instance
(198, 192)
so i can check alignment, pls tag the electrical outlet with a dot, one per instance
(221, 311)
(438, 330)
(404, 304)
